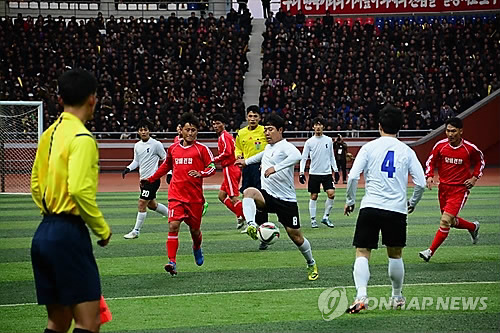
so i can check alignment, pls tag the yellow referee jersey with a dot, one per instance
(65, 173)
(250, 142)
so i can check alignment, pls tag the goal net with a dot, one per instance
(21, 125)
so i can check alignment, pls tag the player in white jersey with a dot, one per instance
(385, 163)
(278, 188)
(147, 153)
(320, 149)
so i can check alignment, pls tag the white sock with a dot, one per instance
(305, 249)
(312, 209)
(249, 210)
(396, 274)
(140, 220)
(361, 274)
(328, 207)
(162, 209)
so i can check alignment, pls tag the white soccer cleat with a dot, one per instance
(397, 302)
(475, 234)
(425, 254)
(131, 235)
(314, 224)
(240, 223)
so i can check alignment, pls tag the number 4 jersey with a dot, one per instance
(385, 163)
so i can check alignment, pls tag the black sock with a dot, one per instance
(81, 330)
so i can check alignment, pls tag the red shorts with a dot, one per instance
(452, 198)
(187, 212)
(231, 183)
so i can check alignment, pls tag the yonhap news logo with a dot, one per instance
(332, 303)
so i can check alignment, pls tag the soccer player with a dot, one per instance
(64, 185)
(191, 161)
(228, 193)
(453, 157)
(385, 163)
(278, 189)
(320, 149)
(147, 153)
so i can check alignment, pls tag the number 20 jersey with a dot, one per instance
(385, 163)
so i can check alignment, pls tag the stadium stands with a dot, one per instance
(156, 68)
(432, 67)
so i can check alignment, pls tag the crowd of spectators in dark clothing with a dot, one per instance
(154, 68)
(345, 72)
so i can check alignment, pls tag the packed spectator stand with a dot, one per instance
(155, 68)
(346, 69)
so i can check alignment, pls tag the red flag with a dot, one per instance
(104, 310)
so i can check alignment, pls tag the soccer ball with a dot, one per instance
(268, 232)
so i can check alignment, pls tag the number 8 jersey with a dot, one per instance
(385, 163)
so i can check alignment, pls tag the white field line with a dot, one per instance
(271, 290)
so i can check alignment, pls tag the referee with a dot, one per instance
(64, 185)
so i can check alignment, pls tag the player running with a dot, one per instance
(228, 193)
(385, 163)
(453, 157)
(147, 153)
(320, 149)
(191, 161)
(278, 189)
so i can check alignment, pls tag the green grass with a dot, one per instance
(242, 289)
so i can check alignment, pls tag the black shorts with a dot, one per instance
(287, 211)
(313, 186)
(148, 192)
(373, 220)
(64, 266)
(250, 177)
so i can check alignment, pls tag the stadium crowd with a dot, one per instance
(346, 71)
(155, 68)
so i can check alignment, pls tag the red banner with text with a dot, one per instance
(370, 7)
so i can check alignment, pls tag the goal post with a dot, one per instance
(21, 126)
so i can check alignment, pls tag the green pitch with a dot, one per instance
(242, 289)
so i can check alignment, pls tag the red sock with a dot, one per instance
(464, 224)
(236, 208)
(441, 235)
(172, 245)
(196, 241)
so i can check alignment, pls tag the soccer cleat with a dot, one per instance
(397, 302)
(252, 231)
(425, 254)
(240, 222)
(131, 235)
(314, 224)
(263, 246)
(170, 268)
(198, 256)
(475, 234)
(357, 306)
(205, 206)
(312, 272)
(327, 223)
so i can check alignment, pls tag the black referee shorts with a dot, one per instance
(371, 221)
(64, 266)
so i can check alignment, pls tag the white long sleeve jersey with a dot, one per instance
(386, 163)
(146, 157)
(282, 156)
(320, 150)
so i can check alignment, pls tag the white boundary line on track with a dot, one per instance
(271, 290)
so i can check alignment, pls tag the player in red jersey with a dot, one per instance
(228, 193)
(453, 157)
(191, 161)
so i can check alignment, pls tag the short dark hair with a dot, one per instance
(455, 122)
(319, 120)
(390, 119)
(189, 118)
(274, 120)
(75, 86)
(144, 123)
(219, 117)
(253, 108)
